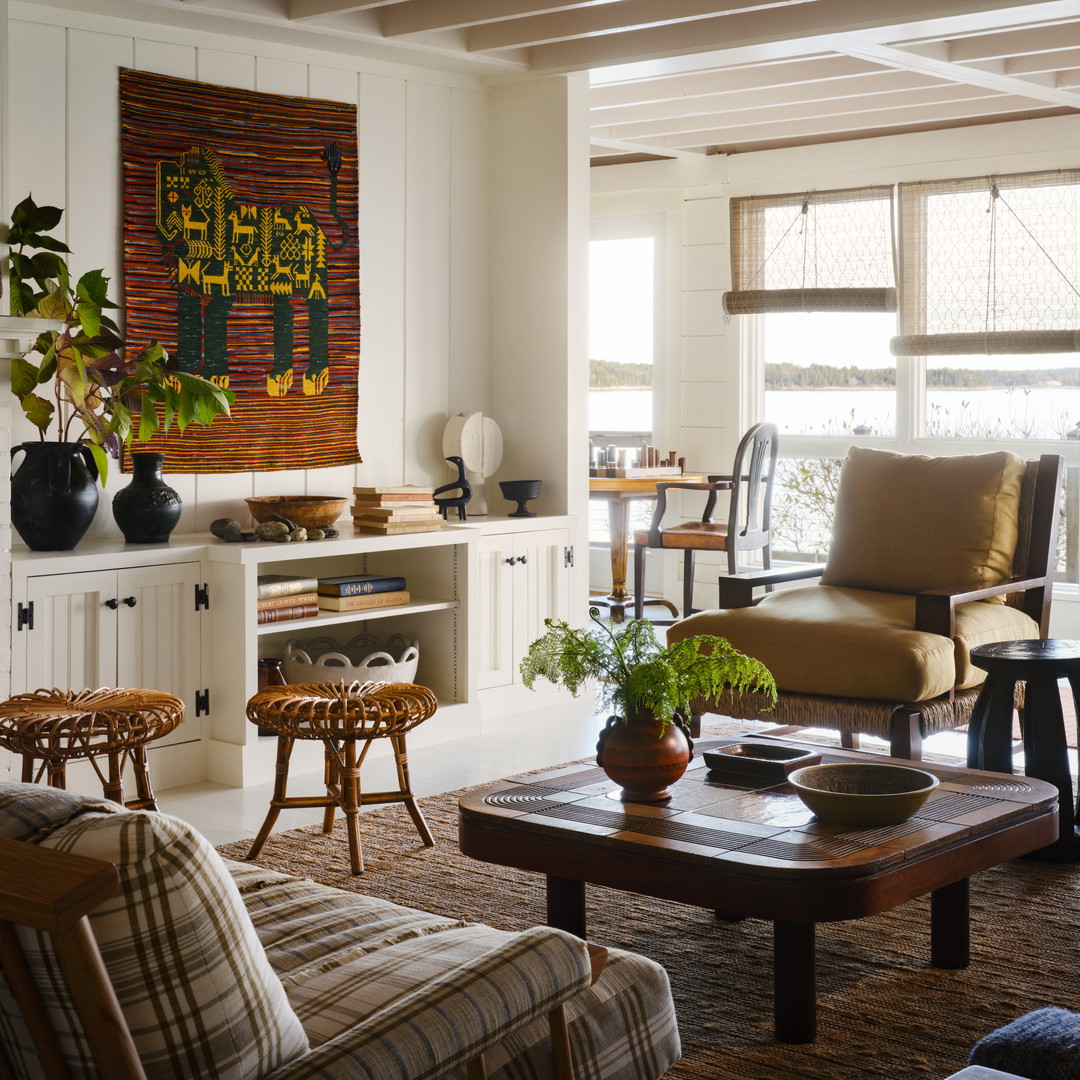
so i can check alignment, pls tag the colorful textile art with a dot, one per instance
(241, 258)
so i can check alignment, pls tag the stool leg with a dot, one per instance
(350, 803)
(57, 771)
(1046, 756)
(140, 767)
(281, 777)
(989, 744)
(401, 760)
(332, 780)
(114, 782)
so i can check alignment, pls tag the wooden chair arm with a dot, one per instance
(686, 485)
(737, 590)
(935, 609)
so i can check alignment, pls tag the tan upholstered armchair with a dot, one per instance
(929, 558)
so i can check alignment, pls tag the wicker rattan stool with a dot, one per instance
(341, 716)
(49, 728)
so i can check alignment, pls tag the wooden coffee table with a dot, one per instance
(746, 847)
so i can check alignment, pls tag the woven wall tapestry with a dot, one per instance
(241, 258)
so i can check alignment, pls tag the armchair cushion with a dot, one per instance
(193, 981)
(858, 643)
(1041, 1045)
(909, 523)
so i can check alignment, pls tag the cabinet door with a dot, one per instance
(72, 645)
(495, 618)
(523, 581)
(158, 637)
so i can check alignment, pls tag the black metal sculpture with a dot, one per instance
(460, 486)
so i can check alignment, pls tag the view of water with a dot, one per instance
(1045, 413)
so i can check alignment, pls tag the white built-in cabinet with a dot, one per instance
(524, 579)
(182, 617)
(130, 619)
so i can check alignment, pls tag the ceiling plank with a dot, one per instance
(1067, 60)
(772, 34)
(972, 76)
(418, 16)
(751, 77)
(931, 98)
(824, 126)
(1015, 41)
(867, 89)
(606, 18)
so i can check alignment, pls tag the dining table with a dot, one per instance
(619, 492)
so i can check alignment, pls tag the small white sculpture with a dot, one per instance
(477, 440)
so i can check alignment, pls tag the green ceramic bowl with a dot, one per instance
(863, 794)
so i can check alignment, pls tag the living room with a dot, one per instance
(467, 305)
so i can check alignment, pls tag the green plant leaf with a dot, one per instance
(101, 460)
(24, 377)
(38, 411)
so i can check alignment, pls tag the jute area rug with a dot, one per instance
(882, 1010)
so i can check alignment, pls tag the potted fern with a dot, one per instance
(78, 389)
(645, 745)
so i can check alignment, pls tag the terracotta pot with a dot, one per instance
(640, 760)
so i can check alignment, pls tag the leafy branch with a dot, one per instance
(635, 673)
(93, 394)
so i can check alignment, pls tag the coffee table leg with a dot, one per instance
(566, 905)
(950, 926)
(794, 996)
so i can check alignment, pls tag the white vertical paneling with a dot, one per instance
(381, 421)
(469, 283)
(427, 267)
(222, 495)
(280, 76)
(94, 197)
(165, 58)
(226, 69)
(38, 153)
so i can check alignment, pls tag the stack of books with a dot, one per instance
(390, 510)
(354, 592)
(283, 597)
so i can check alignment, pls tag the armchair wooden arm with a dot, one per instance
(737, 590)
(662, 488)
(935, 610)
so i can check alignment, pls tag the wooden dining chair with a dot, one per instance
(748, 487)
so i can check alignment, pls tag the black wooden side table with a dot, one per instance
(1038, 664)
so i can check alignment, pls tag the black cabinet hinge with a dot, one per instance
(568, 556)
(202, 597)
(202, 702)
(25, 616)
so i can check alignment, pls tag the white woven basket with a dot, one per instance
(365, 658)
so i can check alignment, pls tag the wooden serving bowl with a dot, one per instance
(863, 794)
(304, 511)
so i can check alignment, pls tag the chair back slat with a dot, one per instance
(1036, 546)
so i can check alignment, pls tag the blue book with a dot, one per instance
(358, 584)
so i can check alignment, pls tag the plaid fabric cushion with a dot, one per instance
(348, 963)
(197, 992)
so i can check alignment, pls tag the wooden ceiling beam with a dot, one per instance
(300, 10)
(972, 76)
(775, 33)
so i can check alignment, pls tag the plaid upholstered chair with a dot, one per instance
(129, 950)
(929, 558)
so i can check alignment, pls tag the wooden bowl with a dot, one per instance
(304, 511)
(863, 794)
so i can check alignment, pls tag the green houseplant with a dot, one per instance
(78, 389)
(651, 689)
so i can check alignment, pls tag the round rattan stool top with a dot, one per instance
(66, 724)
(350, 711)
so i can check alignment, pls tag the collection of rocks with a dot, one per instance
(278, 530)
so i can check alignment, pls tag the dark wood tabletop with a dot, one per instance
(744, 845)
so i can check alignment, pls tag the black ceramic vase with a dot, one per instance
(54, 494)
(147, 510)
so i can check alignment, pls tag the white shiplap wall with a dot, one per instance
(423, 221)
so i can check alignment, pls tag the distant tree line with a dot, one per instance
(612, 375)
(825, 376)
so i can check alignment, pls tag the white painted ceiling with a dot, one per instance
(678, 77)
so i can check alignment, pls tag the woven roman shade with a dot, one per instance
(812, 251)
(989, 265)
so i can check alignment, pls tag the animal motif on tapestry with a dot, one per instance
(223, 251)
